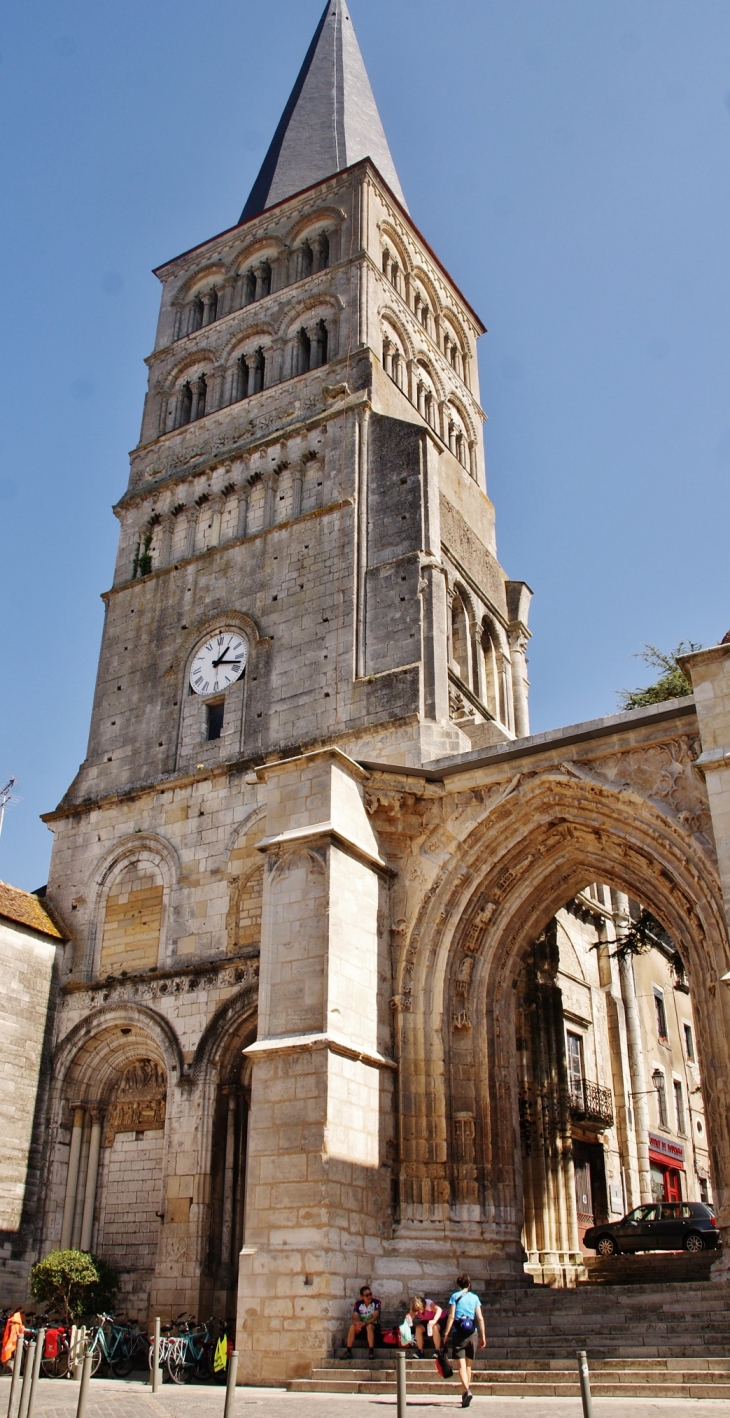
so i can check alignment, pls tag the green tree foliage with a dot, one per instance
(74, 1283)
(672, 682)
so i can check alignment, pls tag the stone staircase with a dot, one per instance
(670, 1340)
(648, 1268)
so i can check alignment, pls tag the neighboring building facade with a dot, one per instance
(627, 1079)
(31, 960)
(310, 862)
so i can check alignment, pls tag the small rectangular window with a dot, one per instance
(214, 714)
(679, 1106)
(689, 1043)
(574, 1056)
(661, 1014)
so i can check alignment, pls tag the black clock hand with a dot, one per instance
(224, 661)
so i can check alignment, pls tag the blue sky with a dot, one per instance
(569, 162)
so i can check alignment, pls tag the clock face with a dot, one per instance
(219, 662)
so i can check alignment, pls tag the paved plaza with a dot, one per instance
(110, 1399)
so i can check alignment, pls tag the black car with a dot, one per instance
(663, 1226)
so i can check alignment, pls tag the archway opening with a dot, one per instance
(229, 1149)
(111, 1155)
(611, 1116)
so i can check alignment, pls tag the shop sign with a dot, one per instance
(662, 1149)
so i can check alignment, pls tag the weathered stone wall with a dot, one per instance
(29, 969)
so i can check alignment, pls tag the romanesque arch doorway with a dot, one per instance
(109, 1165)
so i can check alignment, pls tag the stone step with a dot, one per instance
(552, 1373)
(715, 1364)
(550, 1387)
(647, 1268)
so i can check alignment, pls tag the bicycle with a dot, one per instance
(189, 1354)
(118, 1347)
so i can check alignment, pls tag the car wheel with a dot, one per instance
(606, 1246)
(694, 1242)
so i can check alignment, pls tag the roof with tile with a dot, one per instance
(27, 909)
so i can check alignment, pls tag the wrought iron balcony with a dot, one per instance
(590, 1104)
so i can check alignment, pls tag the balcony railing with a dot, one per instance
(589, 1103)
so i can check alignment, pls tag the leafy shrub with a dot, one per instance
(74, 1283)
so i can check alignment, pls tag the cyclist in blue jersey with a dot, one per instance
(466, 1320)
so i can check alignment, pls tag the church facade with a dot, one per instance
(307, 859)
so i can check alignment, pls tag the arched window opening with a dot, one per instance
(321, 251)
(239, 380)
(199, 395)
(386, 263)
(318, 345)
(132, 920)
(460, 639)
(257, 372)
(306, 261)
(184, 405)
(456, 439)
(263, 283)
(395, 276)
(210, 306)
(491, 670)
(195, 315)
(304, 352)
(249, 288)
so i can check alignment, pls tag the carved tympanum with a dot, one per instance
(139, 1104)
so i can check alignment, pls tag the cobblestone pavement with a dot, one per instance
(107, 1399)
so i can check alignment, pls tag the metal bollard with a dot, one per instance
(156, 1379)
(40, 1341)
(71, 1352)
(585, 1383)
(84, 1386)
(400, 1382)
(78, 1353)
(17, 1366)
(27, 1379)
(231, 1377)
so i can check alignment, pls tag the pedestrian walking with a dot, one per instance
(465, 1320)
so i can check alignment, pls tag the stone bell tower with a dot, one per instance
(306, 580)
(311, 463)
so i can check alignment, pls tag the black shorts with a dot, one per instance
(463, 1346)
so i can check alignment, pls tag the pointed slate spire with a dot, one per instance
(330, 121)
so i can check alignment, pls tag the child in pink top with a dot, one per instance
(424, 1315)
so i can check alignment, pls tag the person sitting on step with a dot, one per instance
(424, 1315)
(365, 1316)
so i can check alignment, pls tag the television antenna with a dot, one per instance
(6, 796)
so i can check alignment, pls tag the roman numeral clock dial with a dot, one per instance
(219, 662)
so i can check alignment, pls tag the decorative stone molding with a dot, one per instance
(663, 773)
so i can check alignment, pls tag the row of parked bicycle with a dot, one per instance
(189, 1351)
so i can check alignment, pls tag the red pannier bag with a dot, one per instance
(51, 1346)
(390, 1336)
